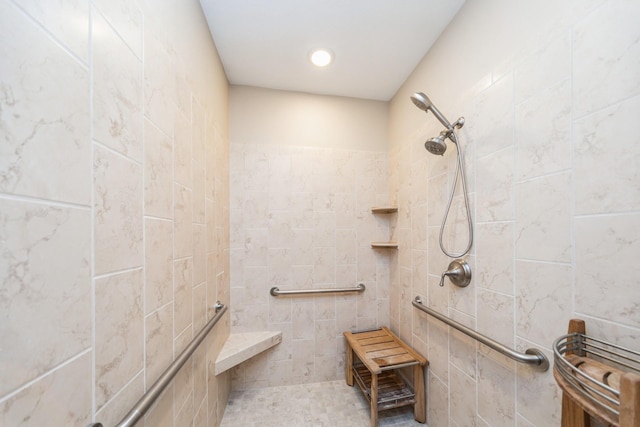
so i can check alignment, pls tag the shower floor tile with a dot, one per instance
(326, 404)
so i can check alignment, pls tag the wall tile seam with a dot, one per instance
(605, 320)
(94, 8)
(605, 214)
(493, 291)
(117, 272)
(121, 390)
(43, 201)
(42, 376)
(102, 146)
(568, 170)
(548, 88)
(162, 307)
(190, 397)
(510, 146)
(184, 258)
(158, 218)
(153, 122)
(604, 107)
(53, 38)
(547, 262)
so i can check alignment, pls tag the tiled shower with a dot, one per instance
(126, 205)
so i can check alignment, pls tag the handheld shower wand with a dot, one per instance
(423, 102)
(438, 146)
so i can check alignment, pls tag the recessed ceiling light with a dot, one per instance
(321, 57)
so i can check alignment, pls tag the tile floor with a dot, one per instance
(325, 404)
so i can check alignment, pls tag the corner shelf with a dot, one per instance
(385, 245)
(384, 210)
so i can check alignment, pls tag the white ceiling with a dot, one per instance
(377, 43)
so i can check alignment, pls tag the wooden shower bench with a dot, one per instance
(372, 360)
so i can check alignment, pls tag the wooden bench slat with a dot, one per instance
(395, 351)
(394, 360)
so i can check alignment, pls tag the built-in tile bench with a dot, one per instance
(243, 346)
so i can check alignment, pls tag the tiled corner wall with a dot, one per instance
(301, 218)
(552, 163)
(113, 212)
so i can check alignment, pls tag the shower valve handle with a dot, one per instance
(459, 272)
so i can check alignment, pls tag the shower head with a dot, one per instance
(437, 145)
(423, 102)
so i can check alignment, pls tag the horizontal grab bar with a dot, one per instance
(277, 292)
(145, 402)
(532, 356)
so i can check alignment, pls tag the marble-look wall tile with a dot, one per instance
(117, 184)
(437, 402)
(87, 210)
(44, 110)
(55, 17)
(126, 18)
(601, 65)
(543, 218)
(182, 284)
(61, 398)
(120, 405)
(496, 316)
(556, 200)
(494, 198)
(543, 300)
(119, 332)
(538, 395)
(46, 288)
(496, 389)
(598, 155)
(462, 349)
(494, 256)
(312, 229)
(158, 343)
(162, 413)
(158, 262)
(548, 65)
(182, 222)
(464, 407)
(493, 117)
(159, 84)
(199, 254)
(182, 159)
(543, 132)
(117, 91)
(606, 285)
(184, 413)
(158, 172)
(199, 183)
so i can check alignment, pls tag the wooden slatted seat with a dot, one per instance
(372, 360)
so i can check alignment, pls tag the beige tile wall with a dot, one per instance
(551, 161)
(113, 211)
(301, 218)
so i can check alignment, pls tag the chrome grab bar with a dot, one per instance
(531, 356)
(145, 402)
(277, 292)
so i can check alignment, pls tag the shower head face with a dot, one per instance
(436, 145)
(421, 101)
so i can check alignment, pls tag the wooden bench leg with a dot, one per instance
(420, 407)
(374, 400)
(348, 368)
